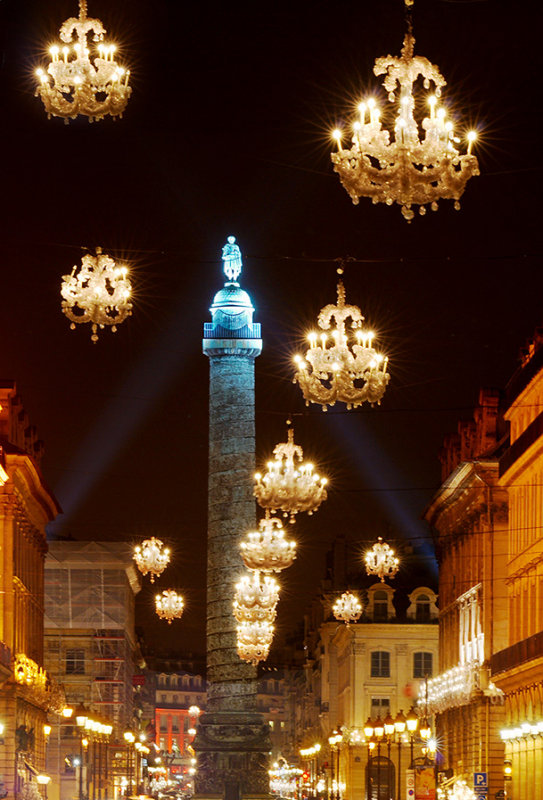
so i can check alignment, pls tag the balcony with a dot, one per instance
(517, 654)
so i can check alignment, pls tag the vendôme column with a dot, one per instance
(232, 743)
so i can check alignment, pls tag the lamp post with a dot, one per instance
(412, 723)
(400, 724)
(129, 739)
(368, 733)
(389, 734)
(378, 732)
(43, 780)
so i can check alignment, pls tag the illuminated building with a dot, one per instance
(469, 518)
(26, 506)
(370, 669)
(518, 668)
(91, 648)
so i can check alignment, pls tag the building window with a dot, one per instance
(162, 698)
(422, 610)
(75, 662)
(422, 665)
(175, 698)
(380, 606)
(380, 664)
(380, 707)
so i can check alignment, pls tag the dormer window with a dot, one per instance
(380, 607)
(423, 605)
(422, 613)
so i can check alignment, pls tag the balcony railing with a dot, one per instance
(517, 653)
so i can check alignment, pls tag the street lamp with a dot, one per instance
(378, 732)
(334, 741)
(43, 780)
(389, 733)
(412, 723)
(400, 724)
(129, 739)
(368, 733)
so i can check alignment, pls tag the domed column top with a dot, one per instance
(232, 309)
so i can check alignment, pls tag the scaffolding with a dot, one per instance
(90, 592)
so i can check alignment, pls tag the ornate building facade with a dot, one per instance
(26, 506)
(373, 669)
(518, 668)
(469, 518)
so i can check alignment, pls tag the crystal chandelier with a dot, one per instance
(333, 369)
(151, 557)
(76, 84)
(347, 608)
(98, 293)
(169, 605)
(381, 560)
(406, 166)
(266, 549)
(289, 484)
(256, 598)
(254, 640)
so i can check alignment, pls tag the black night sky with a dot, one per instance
(227, 132)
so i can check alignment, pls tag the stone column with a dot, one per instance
(232, 742)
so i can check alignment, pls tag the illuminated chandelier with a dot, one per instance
(333, 369)
(266, 549)
(381, 560)
(347, 608)
(169, 605)
(151, 557)
(289, 486)
(256, 598)
(254, 640)
(402, 167)
(73, 83)
(98, 293)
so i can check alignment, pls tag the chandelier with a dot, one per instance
(334, 370)
(405, 166)
(151, 556)
(74, 83)
(289, 486)
(98, 293)
(254, 640)
(169, 605)
(256, 598)
(347, 608)
(381, 560)
(266, 549)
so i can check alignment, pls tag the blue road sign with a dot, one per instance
(480, 780)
